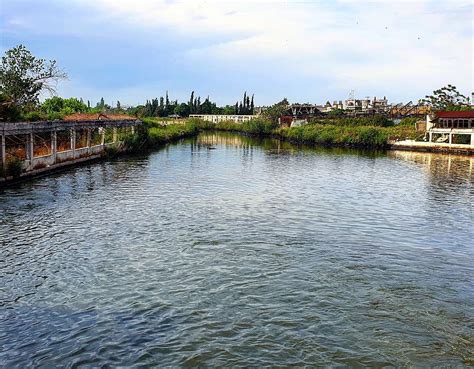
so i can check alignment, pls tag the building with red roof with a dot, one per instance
(454, 119)
(453, 127)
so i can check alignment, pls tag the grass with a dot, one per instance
(373, 132)
(153, 134)
(13, 167)
(343, 135)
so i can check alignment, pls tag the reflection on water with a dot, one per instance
(440, 165)
(226, 250)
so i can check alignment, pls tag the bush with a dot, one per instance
(375, 121)
(34, 116)
(408, 122)
(55, 116)
(14, 167)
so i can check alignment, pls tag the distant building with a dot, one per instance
(366, 105)
(353, 105)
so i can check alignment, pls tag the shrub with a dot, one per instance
(408, 122)
(34, 116)
(14, 167)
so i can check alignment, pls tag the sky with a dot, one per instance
(304, 50)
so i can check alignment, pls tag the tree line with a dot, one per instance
(23, 77)
(164, 107)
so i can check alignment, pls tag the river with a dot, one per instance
(228, 251)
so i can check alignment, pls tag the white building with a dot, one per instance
(216, 118)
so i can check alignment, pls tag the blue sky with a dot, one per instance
(307, 51)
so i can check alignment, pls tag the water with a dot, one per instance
(255, 253)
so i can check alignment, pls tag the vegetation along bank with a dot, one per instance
(372, 132)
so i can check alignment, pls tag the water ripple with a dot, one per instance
(258, 253)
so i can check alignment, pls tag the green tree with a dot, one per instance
(23, 76)
(101, 103)
(336, 113)
(182, 110)
(57, 104)
(447, 98)
(277, 110)
(191, 103)
(228, 110)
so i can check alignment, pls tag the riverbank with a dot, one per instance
(363, 136)
(154, 133)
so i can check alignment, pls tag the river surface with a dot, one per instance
(226, 251)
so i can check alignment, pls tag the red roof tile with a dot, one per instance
(98, 116)
(455, 114)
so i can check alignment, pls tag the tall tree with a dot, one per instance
(191, 102)
(447, 98)
(101, 103)
(23, 76)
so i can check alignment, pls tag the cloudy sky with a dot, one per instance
(305, 50)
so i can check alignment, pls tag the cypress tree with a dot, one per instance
(252, 106)
(191, 103)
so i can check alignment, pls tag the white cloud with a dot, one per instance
(403, 48)
(358, 43)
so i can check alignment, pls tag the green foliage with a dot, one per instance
(57, 104)
(408, 122)
(447, 98)
(9, 111)
(23, 76)
(182, 110)
(34, 116)
(374, 120)
(363, 136)
(276, 111)
(336, 113)
(228, 110)
(161, 134)
(13, 167)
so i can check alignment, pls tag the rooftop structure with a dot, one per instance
(451, 127)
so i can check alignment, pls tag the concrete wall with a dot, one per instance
(38, 164)
(214, 118)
